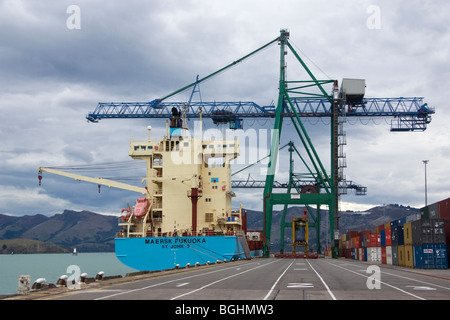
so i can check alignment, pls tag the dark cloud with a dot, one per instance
(52, 76)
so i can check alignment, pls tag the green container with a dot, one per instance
(425, 212)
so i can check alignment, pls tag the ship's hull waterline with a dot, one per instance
(161, 253)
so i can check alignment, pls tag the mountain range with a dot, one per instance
(348, 221)
(91, 232)
(85, 230)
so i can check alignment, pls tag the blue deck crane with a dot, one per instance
(408, 114)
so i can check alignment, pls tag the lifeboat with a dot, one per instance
(125, 217)
(141, 207)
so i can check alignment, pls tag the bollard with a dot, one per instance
(24, 284)
(83, 277)
(62, 281)
(99, 275)
(38, 284)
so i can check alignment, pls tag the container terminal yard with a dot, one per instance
(267, 279)
(216, 257)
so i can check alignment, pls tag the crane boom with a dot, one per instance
(410, 113)
(100, 181)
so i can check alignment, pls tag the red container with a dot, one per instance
(444, 213)
(352, 234)
(444, 209)
(369, 240)
(383, 255)
(388, 237)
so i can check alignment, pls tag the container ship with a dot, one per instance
(184, 216)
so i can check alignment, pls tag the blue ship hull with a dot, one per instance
(160, 253)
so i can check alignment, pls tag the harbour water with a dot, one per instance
(52, 266)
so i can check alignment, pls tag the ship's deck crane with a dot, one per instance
(409, 114)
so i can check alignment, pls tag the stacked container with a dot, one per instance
(429, 243)
(416, 241)
(419, 240)
(398, 243)
(363, 246)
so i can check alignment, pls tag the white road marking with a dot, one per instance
(182, 284)
(423, 288)
(385, 283)
(166, 282)
(276, 282)
(220, 280)
(300, 285)
(328, 289)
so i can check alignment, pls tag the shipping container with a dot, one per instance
(413, 217)
(381, 227)
(397, 237)
(383, 238)
(447, 231)
(438, 227)
(378, 254)
(407, 233)
(422, 232)
(424, 256)
(440, 256)
(383, 255)
(433, 211)
(418, 256)
(444, 209)
(398, 222)
(424, 213)
(371, 240)
(388, 237)
(409, 256)
(394, 255)
(354, 253)
(389, 255)
(401, 255)
(352, 234)
(369, 254)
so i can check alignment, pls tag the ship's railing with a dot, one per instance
(207, 233)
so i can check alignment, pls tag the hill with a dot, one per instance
(87, 231)
(29, 246)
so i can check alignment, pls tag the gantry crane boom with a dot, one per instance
(410, 114)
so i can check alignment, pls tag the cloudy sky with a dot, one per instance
(59, 58)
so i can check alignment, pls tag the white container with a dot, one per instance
(389, 255)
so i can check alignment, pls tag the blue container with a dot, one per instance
(383, 238)
(354, 254)
(440, 256)
(398, 222)
(418, 256)
(428, 256)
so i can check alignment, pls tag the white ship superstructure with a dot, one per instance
(188, 193)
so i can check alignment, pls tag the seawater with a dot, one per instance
(52, 266)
